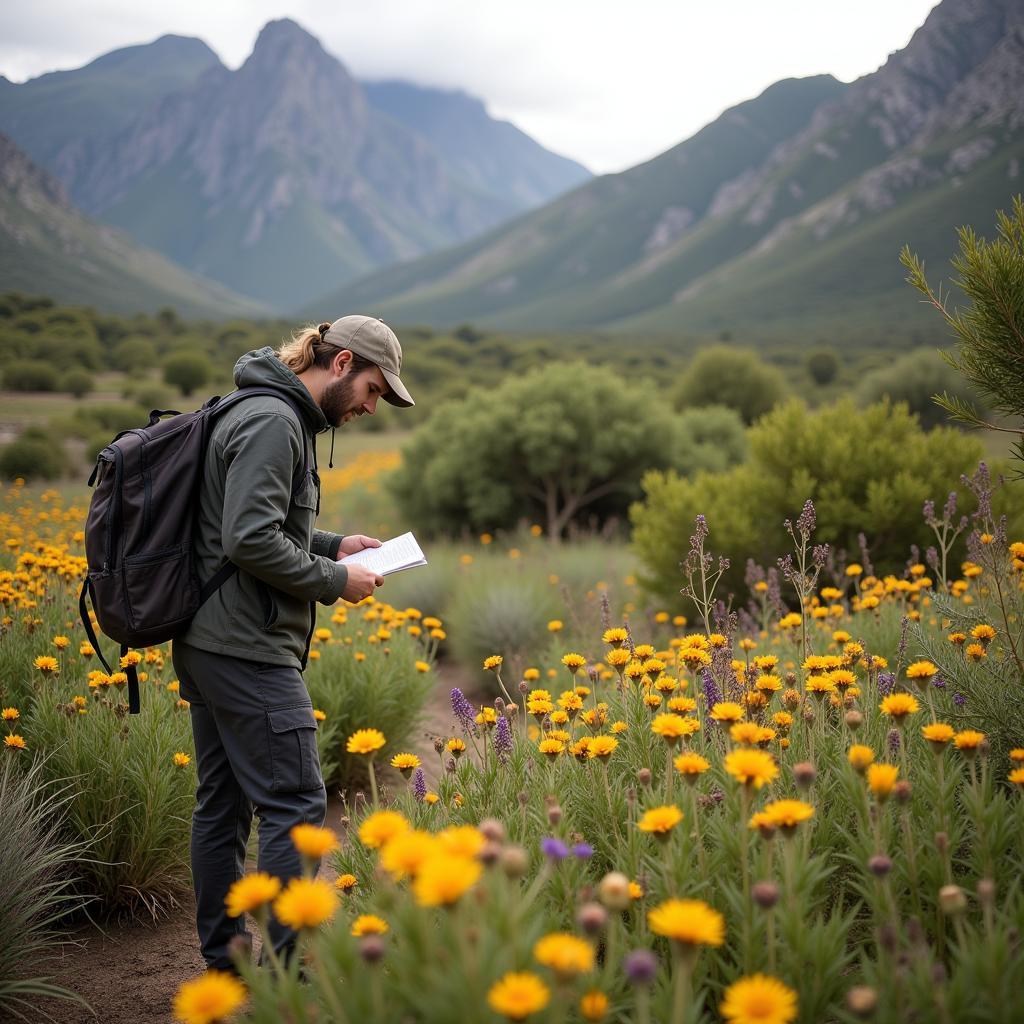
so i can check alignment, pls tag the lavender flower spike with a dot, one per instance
(554, 848)
(503, 738)
(462, 709)
(419, 785)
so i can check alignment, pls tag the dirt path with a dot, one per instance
(129, 973)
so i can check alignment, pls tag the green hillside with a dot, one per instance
(47, 246)
(579, 242)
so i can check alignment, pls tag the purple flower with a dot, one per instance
(462, 709)
(959, 700)
(583, 850)
(938, 682)
(503, 738)
(894, 741)
(807, 520)
(641, 966)
(554, 848)
(712, 695)
(419, 785)
(886, 681)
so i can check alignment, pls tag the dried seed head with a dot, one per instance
(941, 842)
(489, 852)
(902, 791)
(523, 799)
(554, 814)
(492, 829)
(438, 745)
(591, 918)
(880, 865)
(643, 776)
(986, 892)
(371, 948)
(804, 774)
(861, 1001)
(613, 891)
(766, 894)
(524, 686)
(952, 900)
(854, 720)
(514, 861)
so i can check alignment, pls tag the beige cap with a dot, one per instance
(374, 340)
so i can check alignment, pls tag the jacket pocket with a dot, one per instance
(268, 604)
(294, 761)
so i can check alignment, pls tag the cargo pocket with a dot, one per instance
(294, 761)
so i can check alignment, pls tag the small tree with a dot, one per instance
(133, 354)
(77, 383)
(734, 377)
(990, 331)
(30, 375)
(187, 371)
(551, 445)
(823, 365)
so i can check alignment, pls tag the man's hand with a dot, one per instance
(356, 542)
(361, 583)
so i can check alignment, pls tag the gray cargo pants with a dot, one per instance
(255, 739)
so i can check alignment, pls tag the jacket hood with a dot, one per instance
(262, 368)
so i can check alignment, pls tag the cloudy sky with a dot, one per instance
(608, 82)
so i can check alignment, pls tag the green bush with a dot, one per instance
(867, 470)
(33, 456)
(501, 611)
(133, 805)
(187, 371)
(914, 379)
(822, 366)
(77, 383)
(554, 446)
(385, 691)
(733, 377)
(711, 438)
(110, 416)
(38, 870)
(134, 354)
(30, 375)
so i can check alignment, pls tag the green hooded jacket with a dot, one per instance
(266, 611)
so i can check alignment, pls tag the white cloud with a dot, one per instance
(609, 83)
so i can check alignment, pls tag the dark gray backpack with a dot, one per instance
(138, 534)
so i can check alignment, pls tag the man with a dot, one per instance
(240, 661)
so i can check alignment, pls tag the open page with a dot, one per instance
(392, 556)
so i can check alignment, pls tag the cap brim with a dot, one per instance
(398, 395)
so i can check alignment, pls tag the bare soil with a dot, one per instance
(128, 974)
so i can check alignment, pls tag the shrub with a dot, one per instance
(37, 877)
(913, 379)
(734, 377)
(867, 470)
(77, 383)
(711, 438)
(110, 416)
(383, 691)
(501, 611)
(35, 455)
(187, 371)
(30, 375)
(134, 805)
(553, 446)
(822, 366)
(134, 354)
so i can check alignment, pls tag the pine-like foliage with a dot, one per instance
(990, 330)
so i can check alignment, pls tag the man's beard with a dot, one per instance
(337, 400)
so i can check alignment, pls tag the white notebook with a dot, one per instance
(392, 556)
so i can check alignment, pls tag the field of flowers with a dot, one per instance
(806, 809)
(818, 818)
(120, 788)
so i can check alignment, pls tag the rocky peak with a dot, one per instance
(19, 175)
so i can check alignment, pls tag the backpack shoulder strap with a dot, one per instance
(225, 403)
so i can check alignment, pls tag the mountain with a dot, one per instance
(279, 179)
(800, 232)
(565, 252)
(48, 113)
(48, 247)
(492, 156)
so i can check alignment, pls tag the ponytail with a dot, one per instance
(307, 348)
